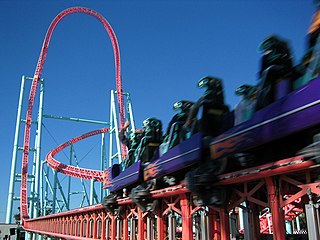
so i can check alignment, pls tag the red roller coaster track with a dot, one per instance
(71, 170)
(36, 79)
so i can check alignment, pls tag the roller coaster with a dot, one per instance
(194, 170)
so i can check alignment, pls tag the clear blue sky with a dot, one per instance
(166, 46)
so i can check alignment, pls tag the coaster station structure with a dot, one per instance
(281, 190)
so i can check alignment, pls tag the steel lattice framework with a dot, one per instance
(35, 83)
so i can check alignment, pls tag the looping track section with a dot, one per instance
(34, 86)
(71, 170)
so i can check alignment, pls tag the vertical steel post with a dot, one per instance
(288, 227)
(111, 131)
(133, 127)
(41, 195)
(298, 223)
(91, 192)
(150, 232)
(171, 227)
(14, 154)
(313, 221)
(132, 229)
(113, 227)
(46, 171)
(108, 225)
(38, 151)
(125, 233)
(197, 227)
(161, 228)
(276, 210)
(224, 224)
(247, 224)
(186, 218)
(204, 226)
(41, 189)
(103, 226)
(213, 224)
(54, 194)
(141, 225)
(114, 130)
(32, 187)
(69, 177)
(119, 228)
(102, 162)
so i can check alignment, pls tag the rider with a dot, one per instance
(131, 143)
(245, 108)
(275, 52)
(152, 138)
(214, 111)
(276, 64)
(172, 136)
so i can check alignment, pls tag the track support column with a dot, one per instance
(161, 227)
(125, 232)
(214, 231)
(276, 210)
(141, 225)
(313, 218)
(186, 217)
(113, 227)
(224, 224)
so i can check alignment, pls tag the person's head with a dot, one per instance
(245, 90)
(182, 105)
(211, 85)
(269, 43)
(136, 136)
(151, 122)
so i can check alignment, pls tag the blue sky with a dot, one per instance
(165, 46)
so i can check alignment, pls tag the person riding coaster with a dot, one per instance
(276, 66)
(150, 140)
(214, 111)
(146, 151)
(132, 144)
(173, 134)
(215, 120)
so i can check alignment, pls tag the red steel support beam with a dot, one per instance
(214, 233)
(81, 225)
(141, 229)
(103, 226)
(224, 224)
(284, 166)
(161, 227)
(125, 231)
(113, 227)
(95, 226)
(276, 210)
(186, 217)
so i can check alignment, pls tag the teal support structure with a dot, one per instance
(44, 189)
(14, 154)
